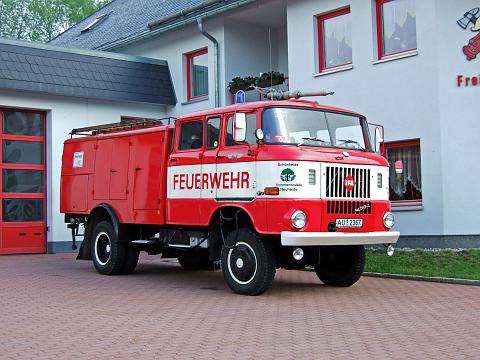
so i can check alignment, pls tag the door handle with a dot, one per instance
(138, 168)
(173, 159)
(113, 171)
(221, 157)
(22, 234)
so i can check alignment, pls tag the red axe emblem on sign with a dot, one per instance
(472, 49)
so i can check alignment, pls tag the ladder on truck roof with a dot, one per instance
(121, 126)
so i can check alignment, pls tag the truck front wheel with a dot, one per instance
(108, 254)
(248, 267)
(340, 265)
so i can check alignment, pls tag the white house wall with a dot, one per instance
(171, 47)
(64, 114)
(402, 94)
(459, 119)
(282, 52)
(247, 50)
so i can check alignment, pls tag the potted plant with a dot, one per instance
(239, 83)
(271, 78)
(267, 79)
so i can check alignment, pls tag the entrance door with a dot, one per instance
(22, 155)
(236, 161)
(209, 158)
(184, 173)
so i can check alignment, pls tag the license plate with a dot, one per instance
(349, 223)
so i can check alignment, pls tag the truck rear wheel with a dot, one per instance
(108, 254)
(340, 265)
(249, 267)
(195, 261)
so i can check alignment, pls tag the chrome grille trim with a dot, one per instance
(335, 176)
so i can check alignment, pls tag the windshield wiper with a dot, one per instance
(305, 139)
(351, 142)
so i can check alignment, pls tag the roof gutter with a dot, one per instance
(176, 24)
(185, 12)
(217, 60)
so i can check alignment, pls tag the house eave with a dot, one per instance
(174, 25)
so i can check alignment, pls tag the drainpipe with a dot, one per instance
(217, 60)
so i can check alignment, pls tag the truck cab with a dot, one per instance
(251, 188)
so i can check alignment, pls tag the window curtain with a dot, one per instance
(410, 157)
(399, 26)
(200, 80)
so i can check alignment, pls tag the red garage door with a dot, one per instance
(22, 155)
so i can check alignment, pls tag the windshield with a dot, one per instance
(306, 127)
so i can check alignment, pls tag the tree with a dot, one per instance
(42, 20)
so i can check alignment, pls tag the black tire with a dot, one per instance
(108, 254)
(195, 261)
(131, 259)
(340, 265)
(249, 268)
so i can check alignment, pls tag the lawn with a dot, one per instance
(464, 264)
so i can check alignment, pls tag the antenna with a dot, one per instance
(270, 50)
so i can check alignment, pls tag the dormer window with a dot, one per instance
(93, 23)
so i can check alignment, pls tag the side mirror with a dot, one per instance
(240, 127)
(377, 138)
(259, 134)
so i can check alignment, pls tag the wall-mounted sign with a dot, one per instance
(471, 19)
(467, 81)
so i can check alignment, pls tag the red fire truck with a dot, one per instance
(249, 188)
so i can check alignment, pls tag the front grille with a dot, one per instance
(350, 207)
(335, 177)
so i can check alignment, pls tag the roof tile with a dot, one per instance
(126, 18)
(30, 68)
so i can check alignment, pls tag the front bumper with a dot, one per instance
(290, 238)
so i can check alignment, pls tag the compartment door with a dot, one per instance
(148, 170)
(119, 168)
(101, 182)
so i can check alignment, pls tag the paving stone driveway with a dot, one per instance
(54, 307)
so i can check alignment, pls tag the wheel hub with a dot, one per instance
(242, 263)
(103, 248)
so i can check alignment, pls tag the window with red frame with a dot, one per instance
(396, 27)
(197, 74)
(407, 186)
(334, 39)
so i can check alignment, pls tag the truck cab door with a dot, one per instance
(184, 173)
(209, 158)
(236, 162)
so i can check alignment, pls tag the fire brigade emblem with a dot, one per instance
(471, 19)
(349, 183)
(287, 175)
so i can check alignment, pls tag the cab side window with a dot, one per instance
(191, 135)
(250, 135)
(213, 132)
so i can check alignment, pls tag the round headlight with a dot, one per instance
(299, 219)
(388, 220)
